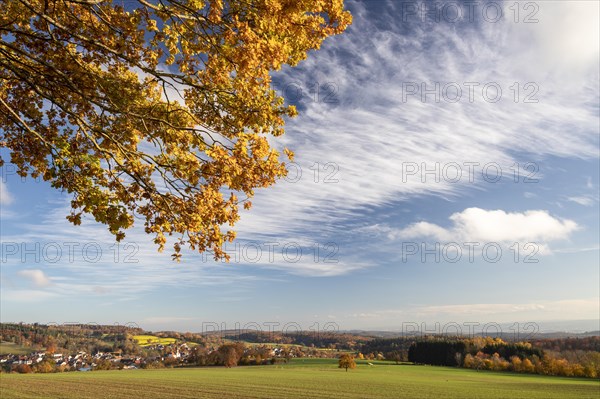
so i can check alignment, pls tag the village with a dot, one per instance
(82, 361)
(155, 356)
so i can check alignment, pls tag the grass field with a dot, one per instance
(301, 379)
(145, 340)
(10, 347)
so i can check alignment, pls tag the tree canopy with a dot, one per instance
(346, 361)
(159, 108)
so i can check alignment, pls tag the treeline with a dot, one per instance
(73, 329)
(569, 344)
(232, 354)
(395, 349)
(437, 352)
(72, 337)
(495, 354)
(319, 339)
(549, 364)
(452, 352)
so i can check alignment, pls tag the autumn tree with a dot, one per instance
(516, 363)
(155, 108)
(50, 345)
(23, 369)
(47, 365)
(199, 356)
(347, 362)
(103, 364)
(230, 354)
(230, 357)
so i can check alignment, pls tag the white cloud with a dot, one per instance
(426, 229)
(371, 133)
(480, 225)
(589, 183)
(594, 248)
(85, 260)
(5, 196)
(567, 34)
(36, 276)
(582, 200)
(27, 295)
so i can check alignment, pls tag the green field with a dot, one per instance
(10, 347)
(146, 340)
(300, 379)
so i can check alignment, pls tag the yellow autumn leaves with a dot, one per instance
(159, 109)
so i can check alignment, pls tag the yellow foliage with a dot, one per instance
(87, 103)
(346, 361)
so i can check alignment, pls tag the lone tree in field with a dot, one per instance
(347, 362)
(159, 108)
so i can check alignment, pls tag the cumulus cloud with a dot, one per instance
(480, 225)
(36, 277)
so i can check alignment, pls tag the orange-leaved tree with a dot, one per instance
(160, 108)
(346, 361)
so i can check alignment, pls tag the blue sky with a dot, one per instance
(391, 172)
